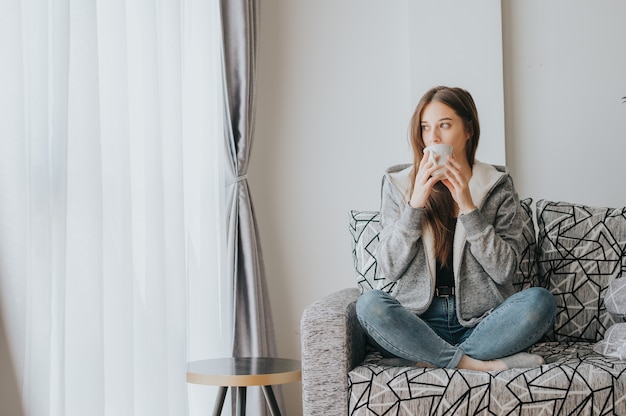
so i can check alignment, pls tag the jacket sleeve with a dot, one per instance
(496, 244)
(401, 231)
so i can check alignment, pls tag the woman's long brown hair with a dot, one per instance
(440, 208)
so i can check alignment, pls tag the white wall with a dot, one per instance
(333, 110)
(337, 84)
(565, 74)
(448, 48)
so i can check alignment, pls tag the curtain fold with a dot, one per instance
(253, 326)
(254, 331)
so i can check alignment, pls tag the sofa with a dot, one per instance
(577, 252)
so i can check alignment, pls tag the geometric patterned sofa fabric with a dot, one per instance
(581, 250)
(574, 381)
(365, 229)
(527, 273)
(614, 342)
(615, 297)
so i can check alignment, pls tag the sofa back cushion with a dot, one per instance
(527, 273)
(615, 298)
(582, 250)
(365, 228)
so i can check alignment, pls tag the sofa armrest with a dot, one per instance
(333, 343)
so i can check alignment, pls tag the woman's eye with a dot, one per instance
(445, 125)
(424, 127)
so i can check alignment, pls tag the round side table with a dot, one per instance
(241, 373)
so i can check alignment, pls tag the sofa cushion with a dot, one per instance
(574, 381)
(614, 342)
(615, 298)
(581, 251)
(365, 228)
(526, 275)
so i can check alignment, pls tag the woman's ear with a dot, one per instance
(469, 129)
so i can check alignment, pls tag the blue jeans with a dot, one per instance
(436, 337)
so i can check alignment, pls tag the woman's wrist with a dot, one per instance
(466, 210)
(416, 202)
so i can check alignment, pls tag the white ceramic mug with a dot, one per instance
(443, 150)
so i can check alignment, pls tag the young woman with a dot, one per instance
(451, 241)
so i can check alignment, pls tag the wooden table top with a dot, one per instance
(248, 371)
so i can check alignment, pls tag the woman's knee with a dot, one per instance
(542, 302)
(368, 300)
(373, 305)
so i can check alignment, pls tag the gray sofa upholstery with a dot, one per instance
(573, 250)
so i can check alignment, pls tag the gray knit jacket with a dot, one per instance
(487, 244)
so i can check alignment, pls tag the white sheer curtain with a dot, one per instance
(111, 199)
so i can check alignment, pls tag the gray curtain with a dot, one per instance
(253, 327)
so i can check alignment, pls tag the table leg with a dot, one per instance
(271, 400)
(219, 402)
(241, 401)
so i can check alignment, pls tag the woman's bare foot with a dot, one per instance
(469, 363)
(519, 360)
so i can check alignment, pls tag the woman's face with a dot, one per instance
(440, 124)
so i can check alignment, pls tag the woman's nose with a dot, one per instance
(433, 136)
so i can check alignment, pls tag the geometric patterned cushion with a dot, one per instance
(582, 250)
(614, 342)
(527, 273)
(574, 381)
(615, 298)
(365, 228)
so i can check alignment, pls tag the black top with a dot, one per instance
(445, 274)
